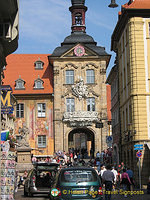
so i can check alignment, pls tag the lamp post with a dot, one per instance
(100, 125)
(113, 4)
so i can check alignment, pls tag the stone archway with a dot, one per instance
(82, 140)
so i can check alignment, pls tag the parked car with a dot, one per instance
(76, 183)
(40, 179)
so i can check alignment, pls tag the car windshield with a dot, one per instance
(78, 176)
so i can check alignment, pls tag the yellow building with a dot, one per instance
(131, 42)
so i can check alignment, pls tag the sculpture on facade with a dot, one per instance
(80, 90)
(23, 132)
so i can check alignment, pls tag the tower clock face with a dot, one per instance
(79, 51)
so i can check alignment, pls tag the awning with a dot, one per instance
(4, 135)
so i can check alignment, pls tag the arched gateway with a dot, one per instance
(80, 101)
(82, 140)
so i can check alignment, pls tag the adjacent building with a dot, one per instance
(31, 79)
(131, 42)
(112, 79)
(9, 30)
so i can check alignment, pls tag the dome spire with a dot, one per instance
(78, 2)
(78, 10)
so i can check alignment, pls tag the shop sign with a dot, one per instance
(6, 104)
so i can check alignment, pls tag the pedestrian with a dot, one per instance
(115, 175)
(130, 174)
(25, 174)
(98, 155)
(125, 182)
(108, 179)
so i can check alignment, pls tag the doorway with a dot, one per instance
(82, 140)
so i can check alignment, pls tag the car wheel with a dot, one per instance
(25, 192)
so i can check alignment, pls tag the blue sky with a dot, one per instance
(43, 24)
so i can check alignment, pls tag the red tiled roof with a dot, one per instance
(137, 4)
(22, 66)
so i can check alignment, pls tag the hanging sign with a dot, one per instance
(6, 104)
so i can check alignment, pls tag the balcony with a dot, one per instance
(81, 118)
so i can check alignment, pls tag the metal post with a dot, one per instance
(101, 141)
(140, 173)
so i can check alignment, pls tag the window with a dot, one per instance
(38, 83)
(90, 76)
(39, 64)
(70, 105)
(41, 109)
(91, 104)
(78, 19)
(41, 140)
(20, 110)
(5, 30)
(69, 77)
(19, 83)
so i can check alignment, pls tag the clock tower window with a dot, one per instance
(78, 19)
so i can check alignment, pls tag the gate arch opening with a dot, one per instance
(82, 140)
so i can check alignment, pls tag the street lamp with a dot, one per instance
(113, 4)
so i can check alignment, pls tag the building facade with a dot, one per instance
(9, 31)
(130, 40)
(112, 79)
(80, 99)
(31, 79)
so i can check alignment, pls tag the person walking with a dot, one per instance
(108, 179)
(125, 182)
(115, 175)
(130, 174)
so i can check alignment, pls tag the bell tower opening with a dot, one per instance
(81, 140)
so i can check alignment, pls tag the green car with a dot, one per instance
(76, 183)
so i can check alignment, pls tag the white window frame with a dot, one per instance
(90, 76)
(39, 65)
(41, 141)
(70, 104)
(69, 76)
(41, 109)
(38, 84)
(20, 110)
(19, 84)
(90, 104)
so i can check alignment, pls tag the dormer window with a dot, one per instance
(78, 19)
(19, 84)
(38, 83)
(39, 64)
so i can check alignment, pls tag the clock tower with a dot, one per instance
(79, 68)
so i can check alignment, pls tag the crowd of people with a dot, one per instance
(112, 177)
